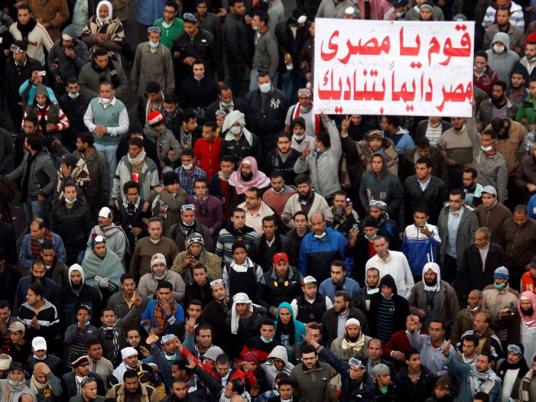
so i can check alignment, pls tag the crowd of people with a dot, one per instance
(176, 222)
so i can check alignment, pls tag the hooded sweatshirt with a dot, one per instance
(384, 187)
(83, 294)
(502, 63)
(279, 352)
(283, 333)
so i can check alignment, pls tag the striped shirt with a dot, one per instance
(226, 239)
(385, 319)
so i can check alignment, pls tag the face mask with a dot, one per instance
(474, 308)
(73, 95)
(499, 286)
(106, 101)
(489, 148)
(265, 88)
(70, 202)
(227, 104)
(498, 48)
(531, 59)
(198, 78)
(235, 130)
(153, 45)
(400, 14)
(255, 28)
(188, 166)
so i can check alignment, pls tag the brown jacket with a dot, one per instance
(448, 301)
(493, 218)
(147, 394)
(519, 243)
(510, 147)
(526, 173)
(54, 12)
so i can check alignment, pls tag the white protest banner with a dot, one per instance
(393, 67)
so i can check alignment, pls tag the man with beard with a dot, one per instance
(433, 298)
(122, 301)
(511, 371)
(132, 389)
(188, 225)
(159, 272)
(499, 106)
(517, 90)
(526, 64)
(344, 216)
(282, 158)
(90, 391)
(279, 192)
(352, 344)
(502, 24)
(335, 318)
(217, 311)
(295, 237)
(194, 254)
(75, 293)
(247, 176)
(14, 386)
(116, 238)
(208, 208)
(37, 273)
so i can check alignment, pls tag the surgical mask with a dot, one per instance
(265, 88)
(400, 14)
(106, 101)
(227, 104)
(499, 286)
(73, 95)
(187, 166)
(498, 48)
(489, 148)
(70, 202)
(474, 309)
(531, 59)
(235, 130)
(153, 45)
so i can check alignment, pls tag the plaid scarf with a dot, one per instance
(160, 315)
(36, 246)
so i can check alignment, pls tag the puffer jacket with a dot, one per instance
(323, 168)
(148, 178)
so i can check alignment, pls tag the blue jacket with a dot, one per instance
(299, 327)
(327, 288)
(149, 10)
(316, 255)
(149, 314)
(25, 253)
(531, 207)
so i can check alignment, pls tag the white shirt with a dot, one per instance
(397, 266)
(254, 220)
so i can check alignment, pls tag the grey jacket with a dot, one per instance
(266, 56)
(502, 63)
(466, 230)
(42, 176)
(68, 68)
(324, 168)
(90, 80)
(152, 65)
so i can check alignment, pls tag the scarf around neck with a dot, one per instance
(138, 159)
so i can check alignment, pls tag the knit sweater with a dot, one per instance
(37, 38)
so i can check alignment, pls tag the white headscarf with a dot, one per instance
(102, 21)
(434, 267)
(232, 118)
(239, 298)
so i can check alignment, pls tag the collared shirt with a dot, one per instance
(453, 224)
(254, 219)
(483, 255)
(122, 123)
(425, 183)
(341, 323)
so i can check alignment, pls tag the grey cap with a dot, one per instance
(213, 352)
(381, 369)
(490, 190)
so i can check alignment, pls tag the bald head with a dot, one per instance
(318, 223)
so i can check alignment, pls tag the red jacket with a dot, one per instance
(207, 155)
(485, 81)
(528, 283)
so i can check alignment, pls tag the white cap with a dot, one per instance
(302, 19)
(39, 343)
(66, 36)
(105, 212)
(5, 362)
(349, 11)
(308, 279)
(352, 321)
(128, 352)
(158, 258)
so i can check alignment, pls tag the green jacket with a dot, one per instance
(168, 35)
(526, 112)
